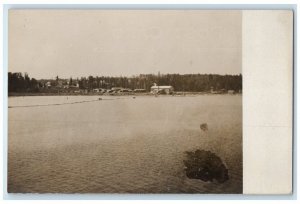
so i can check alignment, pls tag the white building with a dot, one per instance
(48, 84)
(162, 89)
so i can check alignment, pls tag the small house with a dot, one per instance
(116, 88)
(139, 90)
(48, 84)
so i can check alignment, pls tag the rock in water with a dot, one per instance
(206, 166)
(204, 126)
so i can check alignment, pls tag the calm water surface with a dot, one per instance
(123, 145)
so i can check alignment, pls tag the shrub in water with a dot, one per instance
(206, 166)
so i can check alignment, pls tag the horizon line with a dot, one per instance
(128, 76)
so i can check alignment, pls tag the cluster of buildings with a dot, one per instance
(115, 90)
(62, 84)
(73, 87)
(120, 90)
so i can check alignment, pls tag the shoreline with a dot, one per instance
(16, 94)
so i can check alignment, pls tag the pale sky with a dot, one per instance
(76, 43)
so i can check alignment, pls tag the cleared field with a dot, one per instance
(124, 145)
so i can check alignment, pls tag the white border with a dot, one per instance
(267, 101)
(245, 4)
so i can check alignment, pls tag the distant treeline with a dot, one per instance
(19, 83)
(181, 82)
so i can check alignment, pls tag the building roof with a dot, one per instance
(161, 87)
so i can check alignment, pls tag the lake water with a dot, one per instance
(120, 144)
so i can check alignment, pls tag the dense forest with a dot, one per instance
(19, 83)
(181, 82)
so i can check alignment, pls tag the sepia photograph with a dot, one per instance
(125, 101)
